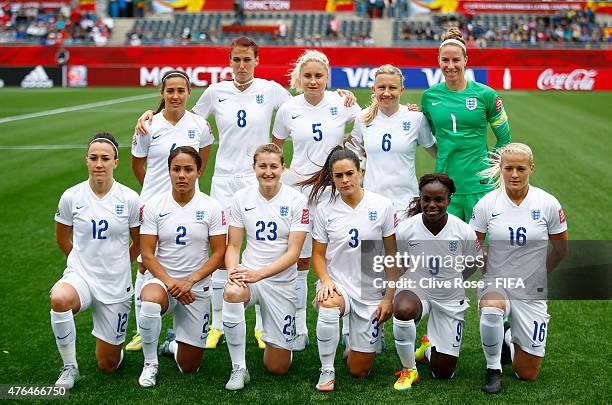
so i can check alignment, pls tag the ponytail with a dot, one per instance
(493, 172)
(323, 177)
(172, 73)
(370, 112)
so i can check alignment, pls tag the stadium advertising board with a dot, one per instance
(31, 76)
(566, 70)
(252, 5)
(586, 79)
(519, 7)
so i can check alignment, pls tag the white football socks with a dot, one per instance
(234, 327)
(150, 327)
(492, 335)
(301, 292)
(62, 324)
(219, 278)
(405, 335)
(140, 278)
(328, 328)
(258, 325)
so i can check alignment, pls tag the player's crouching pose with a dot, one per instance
(433, 233)
(94, 222)
(519, 219)
(341, 224)
(178, 228)
(275, 218)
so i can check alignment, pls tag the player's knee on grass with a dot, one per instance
(526, 373)
(108, 364)
(64, 298)
(235, 293)
(407, 306)
(359, 364)
(526, 366)
(277, 360)
(188, 358)
(442, 365)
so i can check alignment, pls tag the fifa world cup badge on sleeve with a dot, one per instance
(305, 215)
(561, 216)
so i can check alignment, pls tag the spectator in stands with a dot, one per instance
(239, 12)
(333, 27)
(282, 29)
(406, 33)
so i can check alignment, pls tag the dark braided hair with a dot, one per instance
(415, 205)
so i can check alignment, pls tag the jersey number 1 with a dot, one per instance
(454, 123)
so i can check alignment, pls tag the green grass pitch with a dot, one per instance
(570, 136)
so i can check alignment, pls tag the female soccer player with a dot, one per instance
(170, 127)
(316, 121)
(94, 222)
(435, 235)
(459, 111)
(341, 224)
(243, 110)
(519, 220)
(177, 230)
(275, 219)
(389, 136)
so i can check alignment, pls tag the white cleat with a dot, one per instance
(300, 343)
(327, 381)
(69, 374)
(238, 379)
(148, 377)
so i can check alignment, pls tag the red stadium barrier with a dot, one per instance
(134, 66)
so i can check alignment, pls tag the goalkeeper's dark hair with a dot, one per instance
(415, 205)
(323, 177)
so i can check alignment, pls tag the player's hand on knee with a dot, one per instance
(142, 121)
(384, 311)
(237, 276)
(327, 291)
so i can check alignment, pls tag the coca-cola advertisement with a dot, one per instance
(581, 79)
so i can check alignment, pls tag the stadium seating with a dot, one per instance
(207, 28)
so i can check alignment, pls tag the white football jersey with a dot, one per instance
(243, 119)
(183, 232)
(438, 257)
(101, 237)
(343, 229)
(518, 235)
(390, 145)
(161, 138)
(314, 130)
(267, 224)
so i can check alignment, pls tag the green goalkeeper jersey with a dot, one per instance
(459, 120)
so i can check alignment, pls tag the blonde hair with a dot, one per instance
(493, 172)
(370, 112)
(309, 55)
(268, 148)
(453, 34)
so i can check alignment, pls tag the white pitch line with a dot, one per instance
(47, 147)
(76, 108)
(56, 147)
